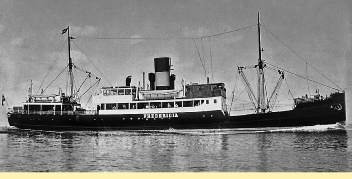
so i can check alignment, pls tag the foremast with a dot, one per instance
(70, 64)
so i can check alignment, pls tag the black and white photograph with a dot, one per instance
(176, 86)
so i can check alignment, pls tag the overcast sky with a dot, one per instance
(30, 40)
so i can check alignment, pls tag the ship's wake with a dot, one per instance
(316, 128)
(5, 128)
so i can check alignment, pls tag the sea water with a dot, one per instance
(301, 149)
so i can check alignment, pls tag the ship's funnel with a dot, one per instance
(162, 73)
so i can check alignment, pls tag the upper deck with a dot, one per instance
(205, 90)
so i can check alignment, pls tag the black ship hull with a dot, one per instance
(329, 111)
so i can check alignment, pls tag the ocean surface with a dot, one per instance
(322, 148)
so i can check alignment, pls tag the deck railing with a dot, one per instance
(86, 112)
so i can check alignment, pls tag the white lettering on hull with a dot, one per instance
(160, 115)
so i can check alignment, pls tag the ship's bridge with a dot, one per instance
(160, 94)
(114, 94)
(118, 91)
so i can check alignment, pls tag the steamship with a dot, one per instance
(162, 107)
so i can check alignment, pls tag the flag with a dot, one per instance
(2, 100)
(64, 30)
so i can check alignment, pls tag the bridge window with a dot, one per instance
(66, 107)
(178, 104)
(110, 106)
(47, 107)
(122, 106)
(127, 91)
(114, 92)
(121, 91)
(187, 103)
(57, 108)
(155, 105)
(133, 105)
(143, 105)
(167, 104)
(34, 107)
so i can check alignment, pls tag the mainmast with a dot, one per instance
(259, 103)
(261, 80)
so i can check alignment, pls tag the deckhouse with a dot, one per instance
(161, 97)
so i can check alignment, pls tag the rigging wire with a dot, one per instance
(283, 92)
(96, 83)
(168, 38)
(54, 79)
(303, 77)
(164, 38)
(201, 40)
(139, 38)
(307, 78)
(200, 58)
(211, 60)
(52, 65)
(340, 89)
(243, 91)
(273, 69)
(92, 63)
(233, 93)
(85, 71)
(96, 86)
(83, 83)
(88, 100)
(281, 55)
(289, 89)
(75, 82)
(67, 81)
(230, 31)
